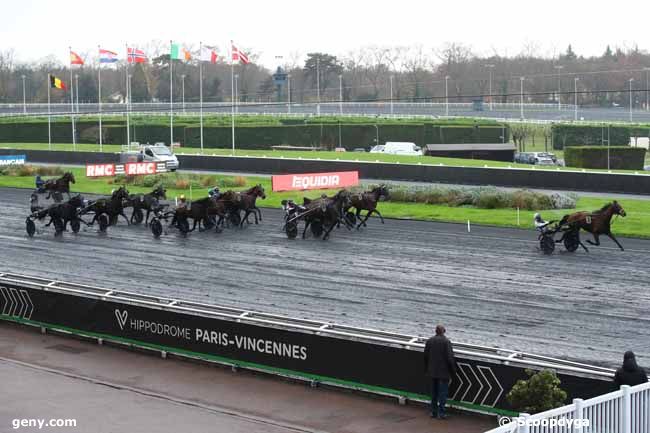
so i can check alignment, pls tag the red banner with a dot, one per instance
(300, 182)
(129, 169)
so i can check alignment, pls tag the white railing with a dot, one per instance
(624, 411)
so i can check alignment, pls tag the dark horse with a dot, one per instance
(368, 201)
(112, 206)
(597, 223)
(247, 203)
(149, 202)
(56, 187)
(325, 212)
(61, 214)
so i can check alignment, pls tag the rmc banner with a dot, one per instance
(480, 384)
(307, 181)
(128, 169)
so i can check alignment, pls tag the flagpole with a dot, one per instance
(232, 100)
(74, 138)
(49, 118)
(99, 97)
(201, 91)
(171, 99)
(127, 98)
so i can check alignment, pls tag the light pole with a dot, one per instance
(575, 98)
(521, 94)
(391, 95)
(183, 92)
(76, 89)
(318, 85)
(289, 93)
(236, 93)
(377, 134)
(446, 95)
(559, 87)
(647, 94)
(490, 67)
(631, 80)
(340, 94)
(24, 98)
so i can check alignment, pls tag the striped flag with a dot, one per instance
(106, 56)
(134, 55)
(238, 55)
(179, 52)
(75, 59)
(208, 55)
(55, 83)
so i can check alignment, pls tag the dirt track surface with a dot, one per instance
(491, 286)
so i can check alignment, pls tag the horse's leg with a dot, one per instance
(128, 223)
(611, 236)
(380, 217)
(596, 240)
(304, 232)
(245, 219)
(146, 220)
(363, 222)
(327, 233)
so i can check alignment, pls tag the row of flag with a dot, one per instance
(177, 52)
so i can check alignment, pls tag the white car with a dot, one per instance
(377, 149)
(156, 153)
(402, 148)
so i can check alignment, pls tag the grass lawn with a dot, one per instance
(636, 224)
(343, 156)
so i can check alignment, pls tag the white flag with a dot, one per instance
(208, 55)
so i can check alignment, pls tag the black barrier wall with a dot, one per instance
(480, 384)
(545, 179)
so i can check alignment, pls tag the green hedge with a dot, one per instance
(589, 135)
(620, 157)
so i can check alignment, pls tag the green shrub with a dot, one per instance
(30, 170)
(589, 135)
(540, 392)
(620, 157)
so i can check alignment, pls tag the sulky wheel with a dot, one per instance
(58, 227)
(350, 218)
(75, 225)
(571, 241)
(103, 222)
(137, 216)
(156, 227)
(234, 218)
(30, 227)
(317, 228)
(547, 244)
(291, 229)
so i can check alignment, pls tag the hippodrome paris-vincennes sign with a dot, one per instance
(307, 181)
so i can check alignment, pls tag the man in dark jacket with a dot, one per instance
(439, 365)
(630, 373)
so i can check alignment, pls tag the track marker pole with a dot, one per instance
(518, 219)
(469, 228)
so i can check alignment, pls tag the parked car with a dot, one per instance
(377, 149)
(149, 153)
(536, 158)
(402, 148)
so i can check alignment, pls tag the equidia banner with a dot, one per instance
(306, 181)
(128, 169)
(480, 384)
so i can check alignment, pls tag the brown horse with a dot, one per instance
(56, 187)
(368, 201)
(247, 203)
(597, 223)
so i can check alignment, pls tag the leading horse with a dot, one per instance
(56, 187)
(597, 223)
(368, 201)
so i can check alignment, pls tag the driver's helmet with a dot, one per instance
(537, 217)
(182, 198)
(213, 191)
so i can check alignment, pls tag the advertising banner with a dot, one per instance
(308, 181)
(128, 169)
(12, 160)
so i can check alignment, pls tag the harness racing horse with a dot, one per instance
(325, 213)
(111, 207)
(61, 214)
(248, 203)
(149, 202)
(368, 201)
(56, 187)
(597, 223)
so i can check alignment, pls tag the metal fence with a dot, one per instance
(624, 411)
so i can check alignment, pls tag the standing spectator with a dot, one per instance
(439, 365)
(630, 373)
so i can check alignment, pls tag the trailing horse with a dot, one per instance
(324, 213)
(248, 203)
(149, 202)
(112, 207)
(56, 187)
(597, 223)
(368, 201)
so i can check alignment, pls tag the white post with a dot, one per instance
(391, 95)
(232, 103)
(575, 98)
(490, 67)
(631, 79)
(127, 101)
(446, 95)
(340, 94)
(526, 427)
(24, 97)
(99, 99)
(289, 93)
(236, 93)
(559, 87)
(201, 92)
(74, 138)
(647, 93)
(521, 94)
(469, 227)
(49, 117)
(579, 412)
(76, 90)
(318, 84)
(518, 217)
(171, 98)
(626, 410)
(608, 147)
(183, 91)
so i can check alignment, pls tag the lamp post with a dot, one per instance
(647, 94)
(521, 94)
(24, 98)
(340, 94)
(575, 98)
(183, 92)
(236, 93)
(377, 134)
(318, 85)
(289, 93)
(76, 89)
(446, 95)
(490, 67)
(391, 95)
(559, 87)
(631, 80)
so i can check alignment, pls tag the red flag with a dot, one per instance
(134, 55)
(75, 59)
(238, 55)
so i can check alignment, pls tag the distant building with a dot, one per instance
(488, 151)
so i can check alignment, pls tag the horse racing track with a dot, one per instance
(491, 286)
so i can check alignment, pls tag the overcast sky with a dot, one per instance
(39, 28)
